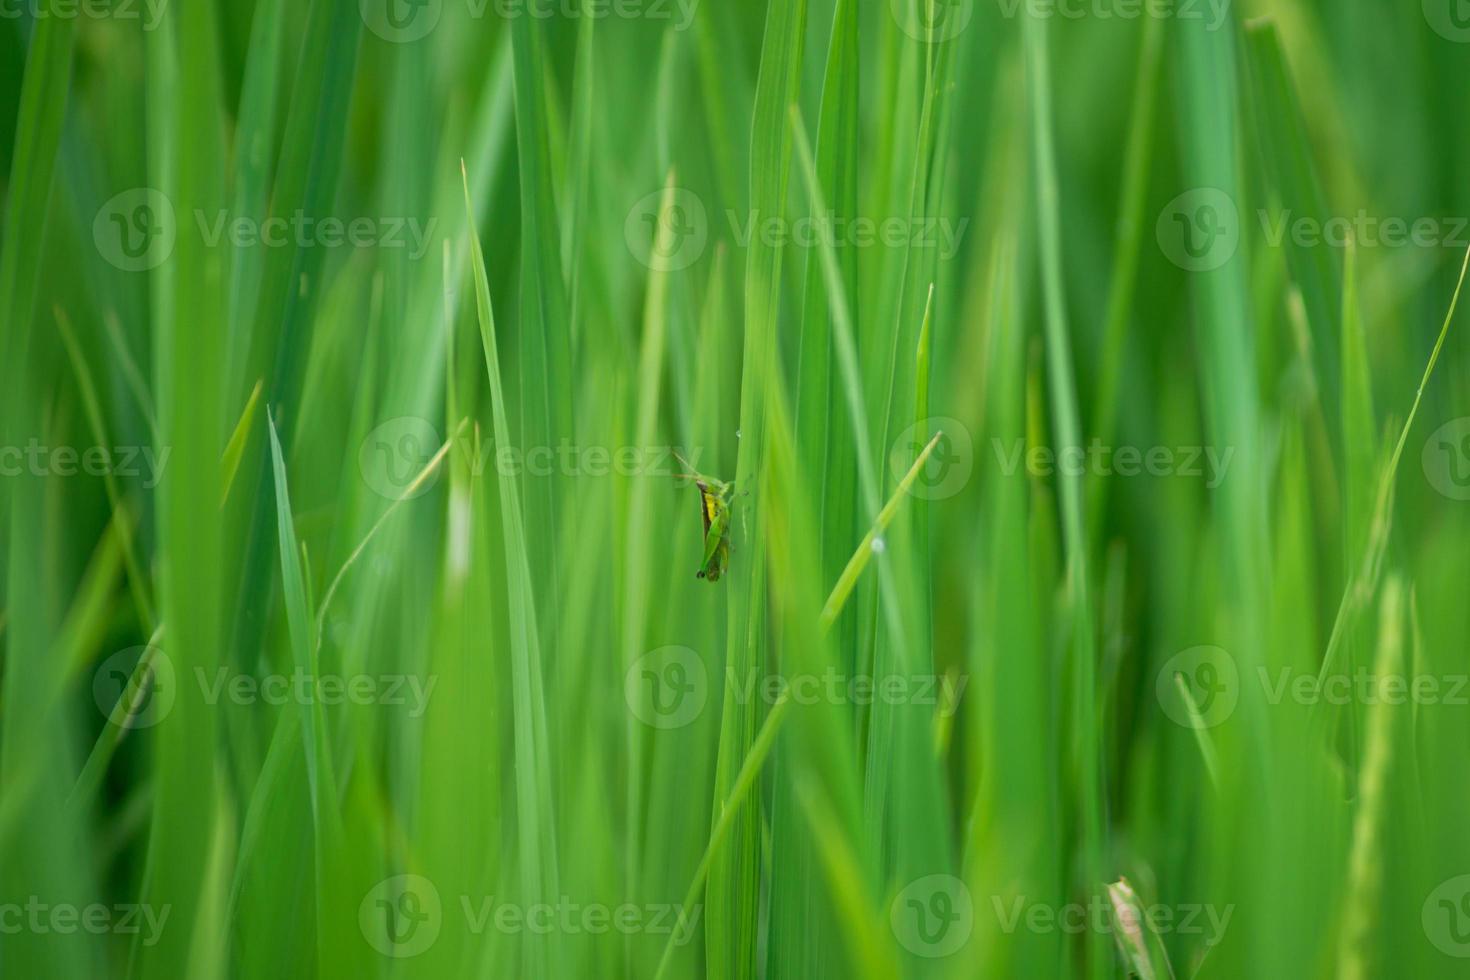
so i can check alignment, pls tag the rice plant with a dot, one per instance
(778, 489)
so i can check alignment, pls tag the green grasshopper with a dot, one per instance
(714, 507)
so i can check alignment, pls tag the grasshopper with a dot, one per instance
(714, 507)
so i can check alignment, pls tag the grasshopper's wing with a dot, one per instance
(714, 569)
(716, 524)
(709, 504)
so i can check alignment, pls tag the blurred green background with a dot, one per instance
(1096, 596)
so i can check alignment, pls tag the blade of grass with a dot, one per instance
(579, 170)
(733, 897)
(1201, 731)
(299, 618)
(188, 166)
(253, 159)
(545, 360)
(235, 448)
(1138, 941)
(409, 492)
(1085, 753)
(1283, 143)
(1359, 430)
(1366, 872)
(1364, 581)
(138, 584)
(535, 818)
(306, 176)
(130, 701)
(637, 575)
(1137, 167)
(819, 762)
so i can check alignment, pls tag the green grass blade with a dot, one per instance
(1282, 138)
(235, 448)
(733, 896)
(1084, 751)
(1122, 288)
(1364, 580)
(535, 818)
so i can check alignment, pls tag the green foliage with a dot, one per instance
(1094, 449)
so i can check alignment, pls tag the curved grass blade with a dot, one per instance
(1364, 581)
